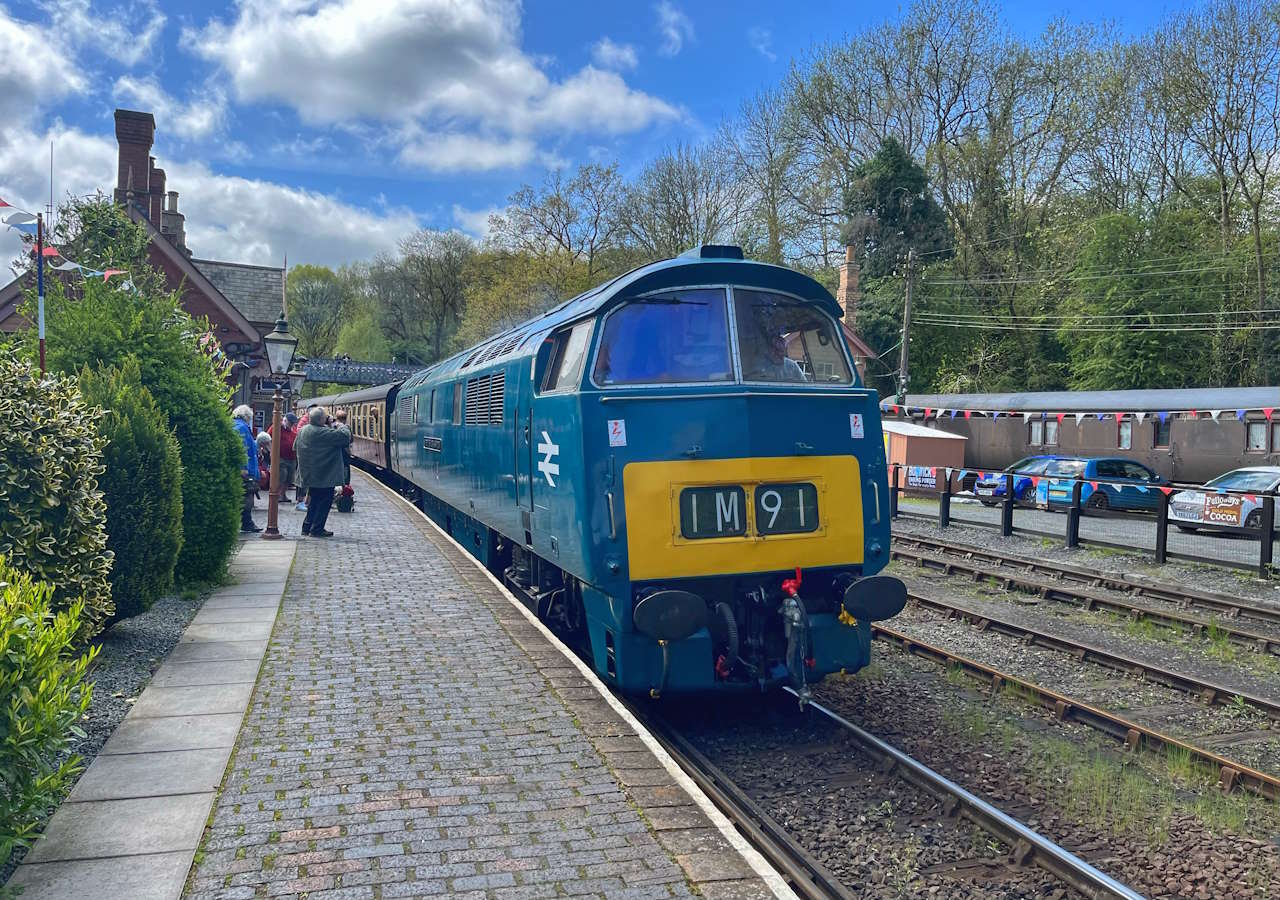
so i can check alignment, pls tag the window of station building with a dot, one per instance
(1160, 433)
(1124, 435)
(568, 352)
(670, 338)
(1255, 437)
(1035, 434)
(782, 339)
(1051, 428)
(457, 403)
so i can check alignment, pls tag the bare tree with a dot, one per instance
(423, 294)
(685, 197)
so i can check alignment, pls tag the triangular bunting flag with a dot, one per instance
(1267, 411)
(66, 266)
(50, 250)
(953, 413)
(1118, 416)
(940, 412)
(1240, 414)
(1166, 490)
(927, 411)
(1035, 481)
(1093, 484)
(1026, 417)
(107, 274)
(894, 407)
(995, 413)
(1252, 498)
(18, 218)
(1100, 416)
(1140, 416)
(1194, 414)
(967, 412)
(1079, 418)
(1214, 413)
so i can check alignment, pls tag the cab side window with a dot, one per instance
(457, 403)
(567, 354)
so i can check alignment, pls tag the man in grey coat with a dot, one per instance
(319, 450)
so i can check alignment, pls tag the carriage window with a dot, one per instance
(457, 403)
(1256, 437)
(782, 339)
(1051, 432)
(566, 357)
(431, 408)
(1035, 435)
(1161, 438)
(680, 336)
(1124, 438)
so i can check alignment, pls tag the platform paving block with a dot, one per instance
(232, 600)
(123, 828)
(222, 615)
(217, 671)
(196, 651)
(227, 631)
(151, 774)
(194, 700)
(142, 734)
(149, 876)
(248, 584)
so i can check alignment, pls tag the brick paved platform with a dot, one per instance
(412, 734)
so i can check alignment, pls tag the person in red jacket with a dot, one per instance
(288, 459)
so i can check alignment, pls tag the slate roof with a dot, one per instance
(1102, 401)
(254, 290)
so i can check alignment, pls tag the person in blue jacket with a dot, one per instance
(241, 418)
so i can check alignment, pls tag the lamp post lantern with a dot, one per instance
(280, 346)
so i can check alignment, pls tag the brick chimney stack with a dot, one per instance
(849, 292)
(172, 224)
(155, 203)
(135, 133)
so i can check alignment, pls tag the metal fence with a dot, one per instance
(946, 495)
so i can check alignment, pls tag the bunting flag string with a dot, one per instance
(1140, 416)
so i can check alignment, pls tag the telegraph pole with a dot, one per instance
(40, 285)
(905, 352)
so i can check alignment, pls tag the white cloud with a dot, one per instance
(674, 26)
(761, 40)
(232, 218)
(474, 222)
(110, 32)
(608, 55)
(201, 116)
(451, 69)
(31, 71)
(467, 153)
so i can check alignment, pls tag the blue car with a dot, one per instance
(1109, 483)
(989, 489)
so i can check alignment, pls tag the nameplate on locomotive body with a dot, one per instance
(434, 444)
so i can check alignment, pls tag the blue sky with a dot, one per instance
(328, 129)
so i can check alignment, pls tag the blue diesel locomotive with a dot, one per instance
(678, 468)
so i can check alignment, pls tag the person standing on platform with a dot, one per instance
(320, 462)
(288, 459)
(241, 418)
(341, 419)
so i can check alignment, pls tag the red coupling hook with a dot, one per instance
(791, 586)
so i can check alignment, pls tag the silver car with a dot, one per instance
(1213, 508)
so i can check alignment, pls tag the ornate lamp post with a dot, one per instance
(280, 345)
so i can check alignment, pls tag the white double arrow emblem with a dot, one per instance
(549, 452)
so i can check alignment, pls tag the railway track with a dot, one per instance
(1231, 774)
(1210, 692)
(1078, 585)
(810, 879)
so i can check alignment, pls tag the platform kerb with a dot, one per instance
(405, 739)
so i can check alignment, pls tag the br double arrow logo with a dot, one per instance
(547, 465)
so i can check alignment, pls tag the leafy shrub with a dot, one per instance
(102, 324)
(142, 486)
(52, 516)
(44, 695)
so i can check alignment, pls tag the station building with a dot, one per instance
(241, 301)
(1187, 435)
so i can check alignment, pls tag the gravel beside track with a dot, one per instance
(1152, 704)
(132, 650)
(1132, 821)
(1202, 577)
(881, 835)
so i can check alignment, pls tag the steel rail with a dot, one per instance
(1208, 691)
(951, 561)
(1231, 774)
(1026, 843)
(805, 875)
(1138, 585)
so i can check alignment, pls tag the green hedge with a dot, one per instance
(142, 485)
(42, 695)
(52, 515)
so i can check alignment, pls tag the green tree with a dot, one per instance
(102, 324)
(142, 485)
(52, 515)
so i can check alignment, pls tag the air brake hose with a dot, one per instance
(730, 628)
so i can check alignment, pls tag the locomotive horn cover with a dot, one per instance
(670, 615)
(874, 599)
